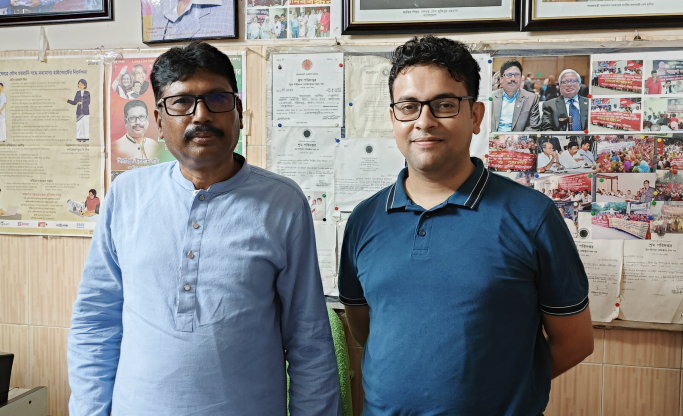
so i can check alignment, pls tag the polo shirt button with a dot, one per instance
(186, 287)
(201, 197)
(422, 233)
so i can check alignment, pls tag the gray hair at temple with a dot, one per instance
(567, 71)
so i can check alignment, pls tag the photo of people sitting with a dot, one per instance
(620, 187)
(625, 154)
(609, 114)
(662, 114)
(620, 220)
(574, 188)
(566, 154)
(617, 77)
(670, 152)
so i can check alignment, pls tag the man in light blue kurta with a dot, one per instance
(195, 290)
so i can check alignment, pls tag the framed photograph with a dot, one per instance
(604, 14)
(375, 17)
(173, 20)
(40, 12)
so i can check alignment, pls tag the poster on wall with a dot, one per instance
(175, 20)
(288, 19)
(21, 12)
(133, 135)
(51, 146)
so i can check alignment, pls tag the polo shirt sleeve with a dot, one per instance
(561, 279)
(350, 290)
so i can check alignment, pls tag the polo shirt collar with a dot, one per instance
(219, 187)
(467, 195)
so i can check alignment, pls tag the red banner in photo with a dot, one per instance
(616, 119)
(677, 162)
(511, 160)
(602, 222)
(576, 182)
(672, 209)
(626, 82)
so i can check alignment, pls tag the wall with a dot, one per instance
(631, 372)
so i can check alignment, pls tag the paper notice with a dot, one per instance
(308, 90)
(363, 167)
(367, 97)
(326, 242)
(603, 262)
(652, 288)
(306, 155)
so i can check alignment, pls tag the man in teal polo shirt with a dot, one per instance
(451, 275)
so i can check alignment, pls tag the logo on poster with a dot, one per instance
(80, 225)
(307, 64)
(4, 223)
(61, 225)
(22, 224)
(42, 224)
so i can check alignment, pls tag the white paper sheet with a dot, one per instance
(306, 155)
(603, 261)
(367, 97)
(363, 167)
(308, 89)
(652, 288)
(326, 242)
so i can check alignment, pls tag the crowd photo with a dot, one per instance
(669, 219)
(669, 186)
(670, 152)
(620, 221)
(625, 154)
(617, 77)
(661, 114)
(512, 152)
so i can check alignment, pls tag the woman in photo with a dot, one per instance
(266, 29)
(325, 24)
(303, 22)
(123, 83)
(255, 29)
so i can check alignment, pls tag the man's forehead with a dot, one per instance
(136, 111)
(201, 82)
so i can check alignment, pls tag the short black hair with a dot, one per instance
(586, 141)
(94, 192)
(572, 144)
(509, 64)
(445, 53)
(132, 104)
(653, 72)
(180, 63)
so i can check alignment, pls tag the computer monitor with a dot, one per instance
(6, 360)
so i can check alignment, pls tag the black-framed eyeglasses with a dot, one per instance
(441, 108)
(185, 105)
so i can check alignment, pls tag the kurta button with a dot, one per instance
(186, 287)
(422, 233)
(195, 225)
(201, 197)
(190, 255)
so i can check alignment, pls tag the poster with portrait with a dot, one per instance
(133, 137)
(664, 76)
(175, 20)
(51, 146)
(21, 12)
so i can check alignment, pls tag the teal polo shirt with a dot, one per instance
(456, 295)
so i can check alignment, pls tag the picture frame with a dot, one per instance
(544, 15)
(35, 12)
(215, 19)
(379, 17)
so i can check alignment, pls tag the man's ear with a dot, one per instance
(478, 110)
(159, 118)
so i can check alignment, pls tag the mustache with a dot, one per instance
(189, 134)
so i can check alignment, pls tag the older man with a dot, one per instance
(569, 111)
(514, 108)
(134, 144)
(202, 277)
(419, 272)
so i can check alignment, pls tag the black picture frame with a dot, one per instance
(62, 17)
(407, 27)
(235, 35)
(529, 23)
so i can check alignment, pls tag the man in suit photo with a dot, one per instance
(569, 111)
(514, 108)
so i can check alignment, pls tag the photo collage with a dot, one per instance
(288, 19)
(608, 152)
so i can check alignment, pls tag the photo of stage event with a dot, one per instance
(625, 187)
(669, 186)
(662, 114)
(510, 152)
(617, 77)
(670, 152)
(620, 221)
(667, 220)
(574, 188)
(625, 154)
(566, 154)
(610, 114)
